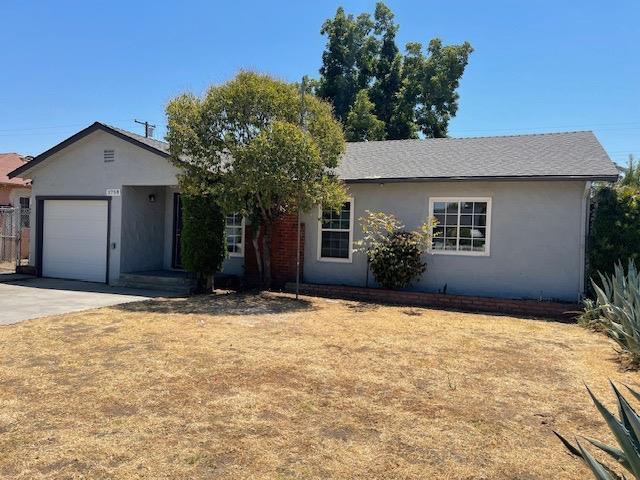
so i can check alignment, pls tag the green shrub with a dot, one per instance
(394, 255)
(617, 306)
(397, 260)
(615, 232)
(626, 431)
(202, 238)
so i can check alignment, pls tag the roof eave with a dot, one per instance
(74, 138)
(601, 178)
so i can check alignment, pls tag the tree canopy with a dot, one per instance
(412, 93)
(362, 124)
(254, 146)
(631, 177)
(615, 231)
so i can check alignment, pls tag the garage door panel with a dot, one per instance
(57, 212)
(76, 248)
(75, 271)
(57, 232)
(75, 239)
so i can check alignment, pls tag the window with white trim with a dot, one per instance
(234, 230)
(335, 231)
(463, 226)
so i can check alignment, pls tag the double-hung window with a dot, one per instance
(335, 234)
(464, 225)
(234, 229)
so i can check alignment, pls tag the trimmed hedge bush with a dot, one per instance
(203, 242)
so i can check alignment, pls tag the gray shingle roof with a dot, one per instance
(571, 154)
(550, 155)
(152, 142)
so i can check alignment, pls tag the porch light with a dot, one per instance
(152, 198)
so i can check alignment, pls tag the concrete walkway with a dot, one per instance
(24, 299)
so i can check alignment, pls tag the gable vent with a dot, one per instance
(109, 155)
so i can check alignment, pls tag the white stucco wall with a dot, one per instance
(80, 169)
(536, 238)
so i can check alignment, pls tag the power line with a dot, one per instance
(148, 128)
(571, 126)
(50, 127)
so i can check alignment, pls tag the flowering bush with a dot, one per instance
(394, 254)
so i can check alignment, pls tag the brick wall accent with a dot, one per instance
(533, 308)
(283, 252)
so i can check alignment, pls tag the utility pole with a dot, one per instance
(148, 128)
(302, 88)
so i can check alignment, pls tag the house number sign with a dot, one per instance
(113, 192)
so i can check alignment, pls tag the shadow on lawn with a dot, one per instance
(221, 304)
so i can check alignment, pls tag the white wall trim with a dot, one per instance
(320, 258)
(463, 253)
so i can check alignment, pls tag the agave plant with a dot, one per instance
(627, 433)
(618, 307)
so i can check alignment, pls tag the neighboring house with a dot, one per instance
(513, 211)
(14, 224)
(14, 192)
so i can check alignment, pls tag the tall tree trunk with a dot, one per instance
(266, 254)
(255, 235)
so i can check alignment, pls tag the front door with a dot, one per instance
(176, 260)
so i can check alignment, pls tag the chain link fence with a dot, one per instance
(14, 237)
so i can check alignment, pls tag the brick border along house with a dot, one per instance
(512, 211)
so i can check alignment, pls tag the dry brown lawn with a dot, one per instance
(243, 386)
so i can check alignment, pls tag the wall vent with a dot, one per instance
(109, 155)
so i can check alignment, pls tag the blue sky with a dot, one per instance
(538, 66)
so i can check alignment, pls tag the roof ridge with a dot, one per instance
(515, 135)
(129, 132)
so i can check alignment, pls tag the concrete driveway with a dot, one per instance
(24, 299)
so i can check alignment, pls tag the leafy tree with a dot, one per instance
(243, 143)
(388, 71)
(362, 124)
(631, 176)
(615, 231)
(348, 61)
(438, 99)
(202, 238)
(412, 93)
(402, 123)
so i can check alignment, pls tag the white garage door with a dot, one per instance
(74, 239)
